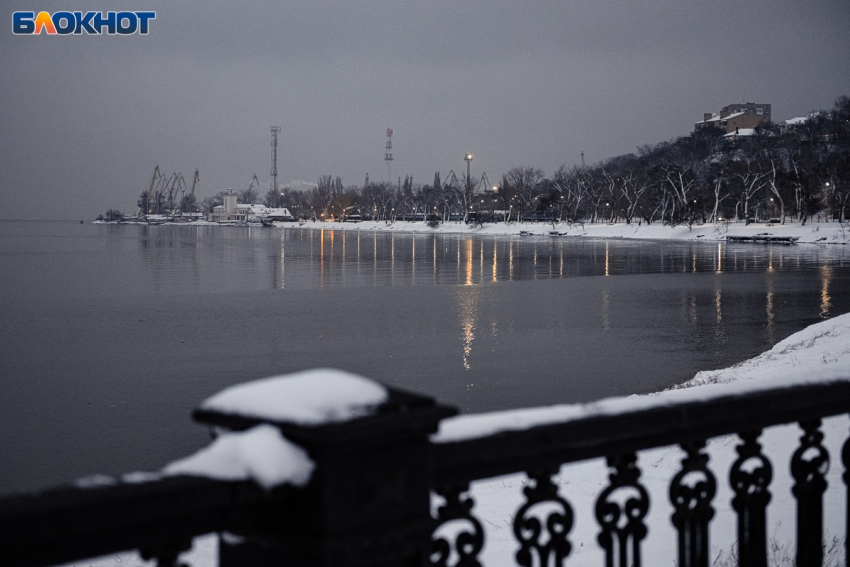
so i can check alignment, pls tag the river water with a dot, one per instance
(110, 335)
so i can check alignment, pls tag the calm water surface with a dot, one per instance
(110, 335)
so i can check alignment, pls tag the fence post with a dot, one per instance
(367, 503)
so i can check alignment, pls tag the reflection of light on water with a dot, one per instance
(770, 259)
(342, 259)
(693, 261)
(825, 299)
(413, 261)
(692, 309)
(771, 324)
(434, 260)
(468, 299)
(392, 259)
(511, 262)
(718, 312)
(282, 259)
(481, 263)
(467, 337)
(322, 257)
(606, 259)
(719, 258)
(359, 263)
(494, 260)
(468, 262)
(606, 306)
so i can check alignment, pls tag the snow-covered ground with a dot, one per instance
(820, 352)
(812, 232)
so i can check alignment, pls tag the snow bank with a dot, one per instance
(812, 232)
(260, 454)
(819, 353)
(311, 397)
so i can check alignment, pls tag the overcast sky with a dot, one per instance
(85, 119)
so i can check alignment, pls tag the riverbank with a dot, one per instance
(819, 352)
(810, 233)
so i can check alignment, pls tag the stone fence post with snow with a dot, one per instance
(369, 463)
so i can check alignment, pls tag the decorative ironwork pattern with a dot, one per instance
(809, 466)
(528, 528)
(622, 518)
(750, 478)
(468, 543)
(691, 492)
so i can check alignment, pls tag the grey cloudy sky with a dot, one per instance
(85, 119)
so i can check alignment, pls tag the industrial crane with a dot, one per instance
(146, 197)
(248, 194)
(195, 182)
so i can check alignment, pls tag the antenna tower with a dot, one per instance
(275, 130)
(388, 156)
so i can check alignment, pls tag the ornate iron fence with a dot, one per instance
(368, 502)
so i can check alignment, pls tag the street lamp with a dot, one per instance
(468, 159)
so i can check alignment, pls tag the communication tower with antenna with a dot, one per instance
(275, 130)
(388, 156)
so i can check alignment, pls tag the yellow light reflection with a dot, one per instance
(468, 262)
(825, 299)
(719, 258)
(494, 260)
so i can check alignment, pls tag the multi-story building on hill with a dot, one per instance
(735, 116)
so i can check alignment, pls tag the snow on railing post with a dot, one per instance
(367, 501)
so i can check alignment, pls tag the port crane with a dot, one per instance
(147, 197)
(195, 181)
(248, 194)
(164, 193)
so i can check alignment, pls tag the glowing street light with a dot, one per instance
(468, 159)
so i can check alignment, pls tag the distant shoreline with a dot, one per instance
(811, 233)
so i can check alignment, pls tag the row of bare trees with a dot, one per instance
(781, 172)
